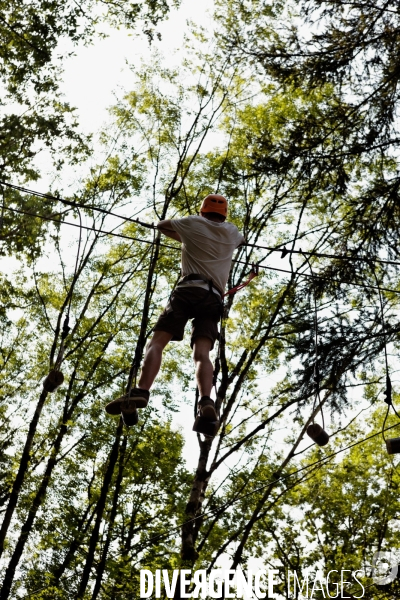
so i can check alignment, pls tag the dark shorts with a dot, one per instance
(196, 303)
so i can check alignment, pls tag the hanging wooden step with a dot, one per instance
(53, 381)
(317, 434)
(393, 446)
(129, 413)
(205, 426)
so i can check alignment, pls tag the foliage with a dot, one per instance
(86, 503)
(35, 39)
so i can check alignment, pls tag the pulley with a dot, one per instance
(53, 381)
(317, 434)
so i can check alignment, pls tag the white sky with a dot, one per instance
(99, 72)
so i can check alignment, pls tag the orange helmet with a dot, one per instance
(214, 203)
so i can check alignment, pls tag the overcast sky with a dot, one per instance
(98, 72)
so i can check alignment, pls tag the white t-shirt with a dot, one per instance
(207, 247)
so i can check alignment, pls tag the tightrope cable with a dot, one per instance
(283, 250)
(177, 249)
(74, 204)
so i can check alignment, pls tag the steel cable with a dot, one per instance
(176, 248)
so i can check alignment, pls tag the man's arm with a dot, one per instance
(242, 243)
(166, 229)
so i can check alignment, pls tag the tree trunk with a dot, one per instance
(193, 507)
(99, 512)
(84, 525)
(102, 564)
(27, 526)
(23, 467)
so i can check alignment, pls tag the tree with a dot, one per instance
(34, 117)
(348, 512)
(346, 54)
(243, 482)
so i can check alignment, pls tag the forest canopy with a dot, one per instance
(289, 109)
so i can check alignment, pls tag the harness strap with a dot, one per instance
(194, 276)
(253, 273)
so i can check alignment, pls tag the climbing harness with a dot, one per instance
(393, 444)
(315, 431)
(55, 378)
(197, 277)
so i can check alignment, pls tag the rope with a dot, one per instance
(142, 337)
(3, 204)
(196, 401)
(316, 366)
(388, 391)
(66, 328)
(284, 251)
(111, 233)
(236, 261)
(217, 364)
(253, 273)
(74, 204)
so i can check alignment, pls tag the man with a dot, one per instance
(208, 243)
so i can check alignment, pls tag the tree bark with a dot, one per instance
(99, 512)
(192, 510)
(27, 526)
(23, 467)
(102, 564)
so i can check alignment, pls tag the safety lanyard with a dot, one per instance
(253, 273)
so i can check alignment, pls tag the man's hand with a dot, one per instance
(166, 229)
(242, 243)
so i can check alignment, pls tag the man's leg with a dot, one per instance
(204, 367)
(152, 358)
(151, 366)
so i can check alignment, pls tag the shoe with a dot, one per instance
(206, 408)
(140, 397)
(129, 413)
